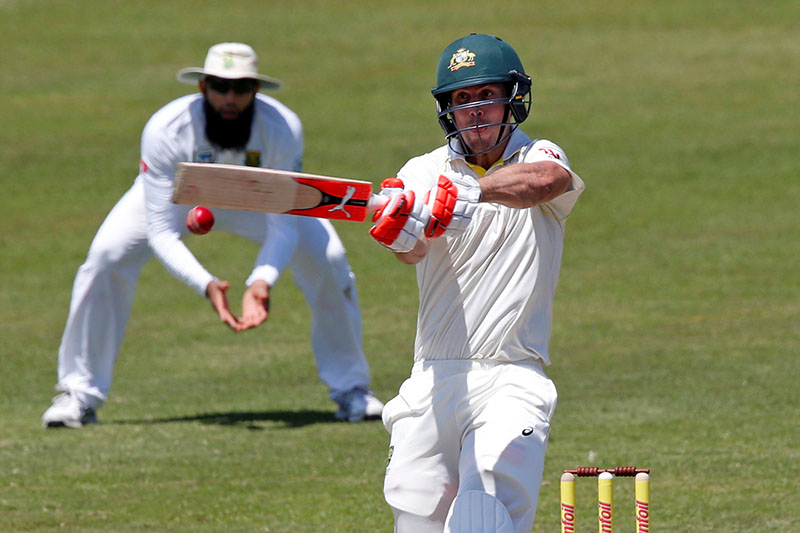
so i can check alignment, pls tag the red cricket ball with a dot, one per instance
(200, 220)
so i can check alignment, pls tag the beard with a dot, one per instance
(227, 133)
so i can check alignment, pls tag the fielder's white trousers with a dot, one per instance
(462, 425)
(104, 288)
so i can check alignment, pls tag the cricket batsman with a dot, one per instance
(482, 218)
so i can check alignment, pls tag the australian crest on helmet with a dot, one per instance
(462, 58)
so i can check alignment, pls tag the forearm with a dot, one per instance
(416, 255)
(525, 184)
(280, 242)
(164, 238)
(180, 262)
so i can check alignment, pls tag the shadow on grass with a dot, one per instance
(247, 419)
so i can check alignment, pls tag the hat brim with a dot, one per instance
(192, 75)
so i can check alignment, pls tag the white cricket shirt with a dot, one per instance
(176, 133)
(488, 293)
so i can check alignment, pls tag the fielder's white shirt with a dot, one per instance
(488, 293)
(176, 133)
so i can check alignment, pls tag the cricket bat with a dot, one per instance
(274, 191)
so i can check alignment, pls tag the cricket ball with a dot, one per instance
(200, 220)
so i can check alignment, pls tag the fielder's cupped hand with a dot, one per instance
(216, 292)
(400, 224)
(452, 204)
(255, 305)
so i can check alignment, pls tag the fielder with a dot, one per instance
(227, 122)
(482, 218)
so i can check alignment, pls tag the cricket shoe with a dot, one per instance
(358, 404)
(68, 411)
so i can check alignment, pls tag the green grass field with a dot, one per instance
(676, 343)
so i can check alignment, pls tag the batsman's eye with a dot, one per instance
(464, 97)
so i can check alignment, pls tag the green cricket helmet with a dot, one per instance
(480, 59)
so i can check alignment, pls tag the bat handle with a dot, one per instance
(375, 202)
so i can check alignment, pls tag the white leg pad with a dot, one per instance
(475, 511)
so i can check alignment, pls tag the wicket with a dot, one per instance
(605, 497)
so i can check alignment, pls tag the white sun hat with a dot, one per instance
(233, 61)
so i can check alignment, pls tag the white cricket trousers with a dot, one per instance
(103, 293)
(466, 425)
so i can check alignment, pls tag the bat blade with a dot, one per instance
(273, 191)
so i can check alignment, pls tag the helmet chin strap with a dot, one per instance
(502, 136)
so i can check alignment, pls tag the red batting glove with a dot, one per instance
(452, 204)
(401, 222)
(391, 187)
